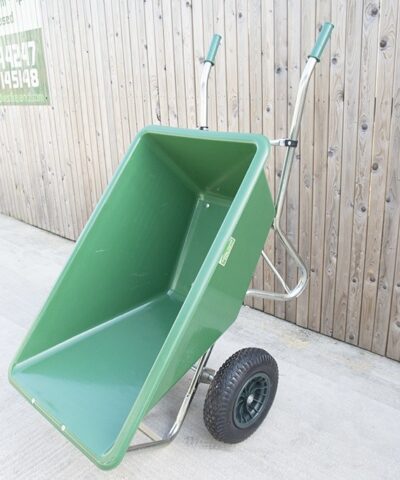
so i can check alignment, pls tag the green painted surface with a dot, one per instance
(23, 76)
(212, 51)
(86, 381)
(322, 40)
(143, 295)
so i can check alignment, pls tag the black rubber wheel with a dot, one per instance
(241, 395)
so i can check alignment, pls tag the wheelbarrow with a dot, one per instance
(157, 275)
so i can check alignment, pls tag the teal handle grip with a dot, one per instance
(322, 40)
(212, 51)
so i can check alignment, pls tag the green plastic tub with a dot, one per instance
(157, 275)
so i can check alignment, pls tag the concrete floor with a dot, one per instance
(336, 414)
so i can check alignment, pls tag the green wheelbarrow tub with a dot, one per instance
(157, 275)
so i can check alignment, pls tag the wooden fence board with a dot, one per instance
(114, 67)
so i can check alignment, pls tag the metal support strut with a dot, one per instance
(201, 375)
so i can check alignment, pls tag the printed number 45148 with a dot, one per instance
(19, 78)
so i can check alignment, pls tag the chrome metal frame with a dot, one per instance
(281, 196)
(201, 375)
(290, 293)
(204, 95)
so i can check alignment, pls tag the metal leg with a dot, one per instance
(290, 143)
(303, 276)
(154, 438)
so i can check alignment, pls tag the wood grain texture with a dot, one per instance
(380, 156)
(255, 67)
(268, 102)
(333, 165)
(365, 127)
(292, 201)
(321, 111)
(389, 305)
(349, 152)
(281, 129)
(114, 67)
(306, 159)
(391, 215)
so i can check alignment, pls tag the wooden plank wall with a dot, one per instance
(114, 67)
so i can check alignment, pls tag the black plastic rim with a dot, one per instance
(251, 400)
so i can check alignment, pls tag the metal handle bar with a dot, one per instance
(209, 61)
(322, 40)
(212, 51)
(291, 143)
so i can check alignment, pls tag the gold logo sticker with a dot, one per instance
(227, 252)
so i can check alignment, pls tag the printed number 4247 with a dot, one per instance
(18, 55)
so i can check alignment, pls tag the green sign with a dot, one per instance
(23, 77)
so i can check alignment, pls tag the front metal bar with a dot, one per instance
(293, 134)
(280, 199)
(276, 142)
(303, 275)
(204, 95)
(277, 274)
(208, 63)
(149, 433)
(155, 439)
(282, 142)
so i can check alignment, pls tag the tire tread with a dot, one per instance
(224, 389)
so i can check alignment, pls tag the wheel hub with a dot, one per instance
(251, 400)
